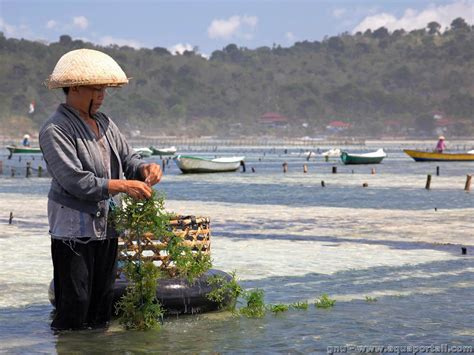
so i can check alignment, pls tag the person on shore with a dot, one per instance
(441, 145)
(87, 157)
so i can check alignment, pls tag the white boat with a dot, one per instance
(194, 164)
(335, 152)
(144, 152)
(366, 158)
(163, 151)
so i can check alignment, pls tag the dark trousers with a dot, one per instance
(84, 277)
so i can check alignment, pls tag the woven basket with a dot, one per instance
(194, 232)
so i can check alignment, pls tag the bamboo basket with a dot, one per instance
(194, 232)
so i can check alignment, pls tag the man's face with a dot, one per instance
(92, 93)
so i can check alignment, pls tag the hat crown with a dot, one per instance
(86, 67)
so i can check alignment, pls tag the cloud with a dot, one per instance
(413, 19)
(19, 31)
(290, 37)
(339, 12)
(109, 40)
(81, 22)
(234, 26)
(51, 24)
(7, 29)
(180, 48)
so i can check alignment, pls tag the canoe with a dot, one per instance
(420, 156)
(23, 149)
(194, 164)
(144, 152)
(163, 151)
(367, 158)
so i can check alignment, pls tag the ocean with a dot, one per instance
(390, 254)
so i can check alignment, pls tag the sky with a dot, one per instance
(210, 25)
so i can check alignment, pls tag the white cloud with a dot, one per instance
(238, 26)
(51, 24)
(81, 22)
(412, 19)
(109, 40)
(7, 29)
(339, 12)
(290, 37)
(17, 31)
(180, 48)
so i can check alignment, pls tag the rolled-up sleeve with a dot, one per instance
(60, 154)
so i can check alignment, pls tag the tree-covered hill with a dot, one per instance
(377, 81)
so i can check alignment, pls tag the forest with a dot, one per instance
(377, 83)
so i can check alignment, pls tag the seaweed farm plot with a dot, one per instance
(396, 259)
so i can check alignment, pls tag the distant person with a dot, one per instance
(441, 145)
(26, 140)
(87, 157)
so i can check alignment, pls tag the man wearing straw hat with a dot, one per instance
(87, 157)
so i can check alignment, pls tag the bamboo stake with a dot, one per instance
(467, 187)
(428, 182)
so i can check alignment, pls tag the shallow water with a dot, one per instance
(285, 234)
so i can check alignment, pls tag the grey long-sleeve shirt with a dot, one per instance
(71, 152)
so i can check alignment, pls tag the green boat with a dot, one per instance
(367, 158)
(23, 149)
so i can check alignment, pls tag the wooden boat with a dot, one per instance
(418, 155)
(367, 158)
(194, 164)
(144, 152)
(163, 151)
(23, 149)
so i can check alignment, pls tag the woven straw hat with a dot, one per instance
(86, 67)
(441, 138)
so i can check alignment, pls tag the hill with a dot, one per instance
(375, 82)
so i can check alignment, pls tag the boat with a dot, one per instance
(23, 149)
(163, 151)
(144, 152)
(419, 155)
(194, 164)
(366, 158)
(334, 152)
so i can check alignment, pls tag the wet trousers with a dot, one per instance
(84, 278)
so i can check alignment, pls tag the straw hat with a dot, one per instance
(26, 136)
(441, 138)
(86, 67)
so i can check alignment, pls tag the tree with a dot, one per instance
(65, 40)
(433, 28)
(381, 33)
(459, 24)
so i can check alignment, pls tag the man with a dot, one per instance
(87, 157)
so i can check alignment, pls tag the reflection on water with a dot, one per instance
(285, 234)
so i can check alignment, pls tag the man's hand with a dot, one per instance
(134, 188)
(152, 173)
